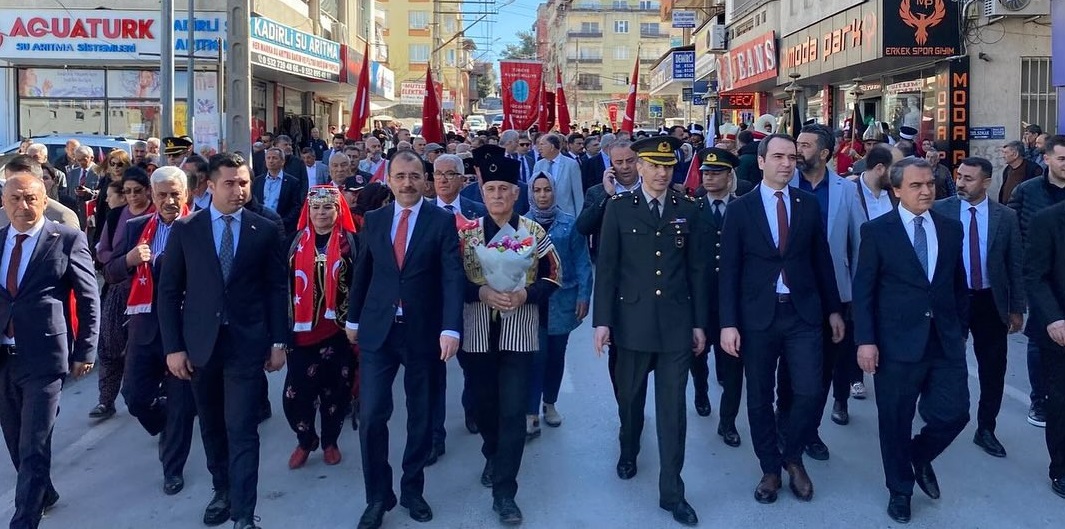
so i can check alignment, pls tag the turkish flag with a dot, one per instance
(563, 109)
(629, 121)
(360, 110)
(432, 125)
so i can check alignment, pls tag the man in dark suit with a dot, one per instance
(992, 254)
(1045, 279)
(910, 312)
(405, 308)
(293, 164)
(777, 287)
(139, 257)
(651, 294)
(278, 190)
(718, 180)
(447, 181)
(594, 166)
(44, 263)
(223, 315)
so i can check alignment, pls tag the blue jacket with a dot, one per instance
(572, 248)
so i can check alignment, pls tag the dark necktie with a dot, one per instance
(976, 270)
(782, 222)
(450, 208)
(920, 243)
(719, 214)
(655, 210)
(227, 250)
(12, 276)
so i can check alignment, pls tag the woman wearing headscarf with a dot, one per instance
(136, 187)
(566, 308)
(501, 329)
(322, 363)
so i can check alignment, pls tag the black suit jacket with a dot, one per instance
(1044, 268)
(295, 168)
(895, 304)
(193, 301)
(60, 265)
(521, 207)
(472, 209)
(431, 284)
(592, 172)
(751, 263)
(289, 201)
(142, 328)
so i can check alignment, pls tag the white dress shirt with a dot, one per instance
(28, 246)
(930, 232)
(312, 174)
(622, 188)
(218, 226)
(769, 204)
(876, 206)
(981, 228)
(203, 201)
(455, 204)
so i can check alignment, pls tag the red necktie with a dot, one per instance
(976, 271)
(782, 229)
(12, 276)
(399, 245)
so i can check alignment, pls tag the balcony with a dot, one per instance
(585, 60)
(654, 35)
(584, 34)
(595, 87)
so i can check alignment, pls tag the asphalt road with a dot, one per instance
(109, 477)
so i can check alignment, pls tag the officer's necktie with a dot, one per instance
(719, 215)
(655, 210)
(227, 250)
(920, 243)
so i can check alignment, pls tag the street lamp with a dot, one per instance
(793, 90)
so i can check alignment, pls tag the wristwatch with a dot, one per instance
(280, 346)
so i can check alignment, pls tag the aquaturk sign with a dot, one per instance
(282, 48)
(93, 35)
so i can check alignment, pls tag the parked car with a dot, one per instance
(101, 145)
(476, 122)
(497, 121)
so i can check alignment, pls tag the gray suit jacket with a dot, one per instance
(845, 217)
(1005, 271)
(569, 191)
(321, 174)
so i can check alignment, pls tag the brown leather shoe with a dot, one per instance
(766, 491)
(800, 482)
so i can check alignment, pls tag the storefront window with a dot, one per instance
(136, 119)
(909, 101)
(38, 117)
(258, 109)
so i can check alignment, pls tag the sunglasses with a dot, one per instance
(114, 163)
(130, 191)
(520, 144)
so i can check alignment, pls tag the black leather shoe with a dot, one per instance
(840, 415)
(51, 497)
(682, 513)
(375, 513)
(471, 424)
(986, 439)
(173, 485)
(434, 455)
(486, 474)
(246, 523)
(509, 513)
(817, 449)
(626, 469)
(1056, 485)
(217, 512)
(766, 491)
(898, 508)
(418, 509)
(702, 406)
(926, 479)
(729, 434)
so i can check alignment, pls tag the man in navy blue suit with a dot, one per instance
(776, 289)
(911, 302)
(139, 257)
(279, 190)
(223, 314)
(405, 308)
(42, 264)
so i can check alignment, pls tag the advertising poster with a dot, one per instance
(42, 82)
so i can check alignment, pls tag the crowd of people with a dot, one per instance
(800, 263)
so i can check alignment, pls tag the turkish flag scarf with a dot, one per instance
(142, 292)
(305, 260)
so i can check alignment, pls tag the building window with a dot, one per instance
(589, 27)
(620, 80)
(419, 53)
(621, 52)
(621, 26)
(1039, 101)
(649, 5)
(449, 25)
(450, 58)
(621, 4)
(418, 19)
(649, 28)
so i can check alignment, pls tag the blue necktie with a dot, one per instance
(920, 243)
(225, 253)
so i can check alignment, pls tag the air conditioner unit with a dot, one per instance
(1016, 8)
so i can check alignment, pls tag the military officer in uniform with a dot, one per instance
(718, 190)
(651, 291)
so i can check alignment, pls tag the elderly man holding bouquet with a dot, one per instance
(511, 268)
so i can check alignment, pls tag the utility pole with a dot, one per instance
(190, 68)
(166, 68)
(238, 86)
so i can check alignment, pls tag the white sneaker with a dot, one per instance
(551, 416)
(532, 427)
(858, 390)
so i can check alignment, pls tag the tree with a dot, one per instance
(524, 49)
(486, 83)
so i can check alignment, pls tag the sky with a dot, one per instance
(496, 31)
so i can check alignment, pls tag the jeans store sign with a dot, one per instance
(282, 48)
(108, 35)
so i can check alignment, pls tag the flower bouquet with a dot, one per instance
(506, 259)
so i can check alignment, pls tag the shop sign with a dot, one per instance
(412, 93)
(683, 65)
(749, 63)
(94, 35)
(279, 47)
(799, 14)
(654, 108)
(684, 19)
(920, 28)
(987, 133)
(847, 38)
(904, 87)
(686, 93)
(952, 108)
(382, 81)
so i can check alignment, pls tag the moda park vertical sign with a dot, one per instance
(282, 48)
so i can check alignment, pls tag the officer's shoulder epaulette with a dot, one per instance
(618, 196)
